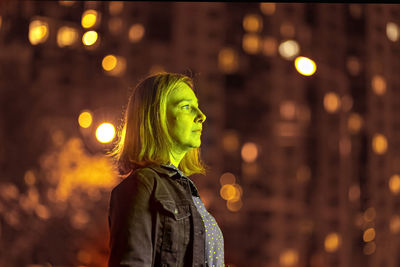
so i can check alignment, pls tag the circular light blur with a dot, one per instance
(89, 18)
(270, 46)
(230, 141)
(251, 43)
(331, 102)
(109, 62)
(115, 7)
(369, 248)
(287, 30)
(89, 38)
(392, 31)
(136, 33)
(253, 23)
(249, 152)
(228, 192)
(394, 184)
(234, 206)
(354, 123)
(289, 257)
(379, 144)
(66, 36)
(369, 234)
(394, 224)
(105, 132)
(305, 66)
(267, 8)
(85, 119)
(378, 84)
(227, 178)
(332, 242)
(38, 32)
(289, 49)
(228, 60)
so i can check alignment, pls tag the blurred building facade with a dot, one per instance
(304, 169)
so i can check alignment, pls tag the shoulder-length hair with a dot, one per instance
(143, 137)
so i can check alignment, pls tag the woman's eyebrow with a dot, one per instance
(189, 100)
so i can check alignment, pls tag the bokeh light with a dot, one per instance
(85, 119)
(289, 49)
(38, 32)
(66, 36)
(394, 184)
(89, 38)
(287, 30)
(136, 33)
(331, 102)
(379, 144)
(305, 66)
(354, 193)
(109, 62)
(369, 248)
(114, 65)
(353, 65)
(252, 23)
(288, 109)
(89, 18)
(230, 141)
(267, 8)
(105, 133)
(30, 178)
(66, 3)
(228, 192)
(269, 46)
(228, 60)
(251, 43)
(234, 205)
(289, 257)
(394, 224)
(115, 7)
(369, 234)
(369, 214)
(354, 123)
(115, 25)
(227, 178)
(332, 242)
(249, 152)
(392, 31)
(378, 84)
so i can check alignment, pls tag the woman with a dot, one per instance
(156, 216)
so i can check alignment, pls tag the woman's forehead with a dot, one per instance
(182, 91)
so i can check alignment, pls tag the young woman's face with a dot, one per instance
(184, 118)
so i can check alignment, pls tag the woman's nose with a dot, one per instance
(200, 116)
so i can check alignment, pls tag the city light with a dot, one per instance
(251, 43)
(89, 18)
(353, 65)
(392, 31)
(227, 178)
(287, 30)
(228, 192)
(369, 234)
(89, 38)
(369, 248)
(136, 33)
(249, 152)
(394, 184)
(332, 242)
(378, 84)
(38, 32)
(369, 214)
(109, 62)
(85, 119)
(105, 133)
(66, 3)
(230, 141)
(269, 46)
(289, 257)
(289, 49)
(354, 123)
(114, 65)
(267, 8)
(305, 66)
(394, 224)
(331, 102)
(379, 144)
(228, 60)
(66, 36)
(233, 205)
(115, 7)
(252, 23)
(287, 109)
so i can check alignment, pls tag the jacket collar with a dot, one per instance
(175, 173)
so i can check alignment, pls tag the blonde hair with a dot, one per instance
(143, 136)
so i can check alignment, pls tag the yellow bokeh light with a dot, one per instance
(234, 206)
(89, 18)
(379, 144)
(369, 234)
(289, 257)
(85, 119)
(269, 46)
(38, 32)
(252, 23)
(115, 7)
(29, 178)
(394, 184)
(228, 192)
(354, 123)
(305, 66)
(136, 33)
(228, 60)
(289, 49)
(230, 141)
(227, 178)
(267, 8)
(251, 43)
(394, 224)
(249, 152)
(331, 102)
(66, 36)
(66, 3)
(369, 248)
(392, 31)
(378, 84)
(332, 242)
(105, 133)
(89, 38)
(109, 62)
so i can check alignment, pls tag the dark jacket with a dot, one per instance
(154, 222)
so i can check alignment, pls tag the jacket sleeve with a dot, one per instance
(130, 223)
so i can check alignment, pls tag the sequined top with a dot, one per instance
(214, 241)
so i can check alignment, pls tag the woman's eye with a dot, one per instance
(185, 107)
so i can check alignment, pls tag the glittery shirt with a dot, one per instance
(214, 241)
